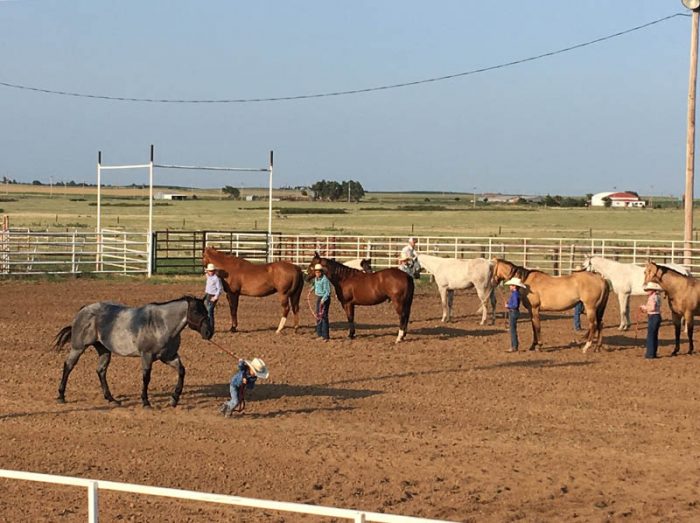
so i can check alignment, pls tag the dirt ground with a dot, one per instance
(444, 425)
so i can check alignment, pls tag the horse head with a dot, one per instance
(198, 318)
(502, 270)
(652, 272)
(366, 265)
(587, 263)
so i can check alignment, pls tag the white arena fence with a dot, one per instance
(93, 486)
(30, 252)
(180, 252)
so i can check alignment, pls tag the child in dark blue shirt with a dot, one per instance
(245, 378)
(513, 306)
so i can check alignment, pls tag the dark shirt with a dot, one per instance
(513, 300)
(243, 372)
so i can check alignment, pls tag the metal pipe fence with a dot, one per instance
(180, 252)
(93, 487)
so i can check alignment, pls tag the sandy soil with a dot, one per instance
(444, 425)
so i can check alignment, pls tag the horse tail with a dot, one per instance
(600, 309)
(408, 301)
(297, 287)
(63, 337)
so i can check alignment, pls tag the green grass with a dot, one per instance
(395, 214)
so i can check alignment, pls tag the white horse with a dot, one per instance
(626, 279)
(361, 264)
(453, 274)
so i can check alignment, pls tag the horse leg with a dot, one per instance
(689, 330)
(403, 319)
(233, 306)
(295, 312)
(146, 365)
(350, 313)
(484, 306)
(535, 320)
(492, 300)
(624, 301)
(443, 300)
(592, 326)
(102, 363)
(285, 312)
(176, 364)
(676, 318)
(71, 360)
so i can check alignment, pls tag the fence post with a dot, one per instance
(524, 252)
(634, 251)
(93, 503)
(72, 255)
(360, 517)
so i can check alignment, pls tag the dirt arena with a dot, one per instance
(445, 425)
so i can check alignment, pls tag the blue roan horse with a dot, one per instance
(151, 332)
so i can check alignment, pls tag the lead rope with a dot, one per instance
(241, 390)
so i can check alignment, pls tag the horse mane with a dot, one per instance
(666, 268)
(340, 269)
(520, 271)
(187, 297)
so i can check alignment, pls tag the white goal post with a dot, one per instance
(150, 166)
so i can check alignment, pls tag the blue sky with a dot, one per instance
(606, 116)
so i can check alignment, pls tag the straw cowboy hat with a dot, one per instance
(652, 286)
(514, 281)
(259, 367)
(211, 267)
(318, 267)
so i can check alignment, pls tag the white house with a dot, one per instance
(617, 199)
(169, 196)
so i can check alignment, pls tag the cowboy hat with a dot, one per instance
(412, 239)
(514, 281)
(318, 267)
(211, 267)
(652, 286)
(259, 367)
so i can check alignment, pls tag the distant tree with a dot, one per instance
(607, 201)
(334, 191)
(37, 182)
(551, 202)
(232, 192)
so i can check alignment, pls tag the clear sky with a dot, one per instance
(609, 115)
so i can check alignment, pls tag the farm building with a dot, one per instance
(169, 196)
(617, 199)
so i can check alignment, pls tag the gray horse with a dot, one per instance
(151, 332)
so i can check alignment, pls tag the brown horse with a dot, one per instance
(242, 277)
(558, 293)
(683, 298)
(354, 287)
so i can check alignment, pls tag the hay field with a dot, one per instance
(70, 208)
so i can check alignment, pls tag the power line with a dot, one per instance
(351, 91)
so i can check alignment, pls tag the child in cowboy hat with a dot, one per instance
(322, 289)
(213, 290)
(513, 307)
(653, 309)
(245, 378)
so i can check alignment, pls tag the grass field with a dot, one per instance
(39, 207)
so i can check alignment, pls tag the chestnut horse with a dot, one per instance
(683, 297)
(545, 292)
(243, 277)
(354, 287)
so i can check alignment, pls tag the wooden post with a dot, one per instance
(690, 141)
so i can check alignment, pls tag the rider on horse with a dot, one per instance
(408, 259)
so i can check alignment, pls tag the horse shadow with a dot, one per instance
(537, 364)
(621, 342)
(271, 391)
(453, 332)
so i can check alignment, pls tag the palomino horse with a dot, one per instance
(626, 279)
(355, 287)
(558, 293)
(683, 297)
(241, 277)
(454, 274)
(151, 332)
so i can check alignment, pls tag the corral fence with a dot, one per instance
(30, 252)
(93, 486)
(180, 252)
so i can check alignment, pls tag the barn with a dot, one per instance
(617, 199)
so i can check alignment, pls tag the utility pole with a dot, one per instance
(694, 5)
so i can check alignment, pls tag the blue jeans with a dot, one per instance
(235, 400)
(578, 309)
(322, 324)
(653, 324)
(513, 315)
(210, 309)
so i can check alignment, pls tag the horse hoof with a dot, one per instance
(233, 329)
(114, 402)
(173, 402)
(674, 353)
(60, 399)
(147, 406)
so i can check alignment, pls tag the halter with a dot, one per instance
(190, 323)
